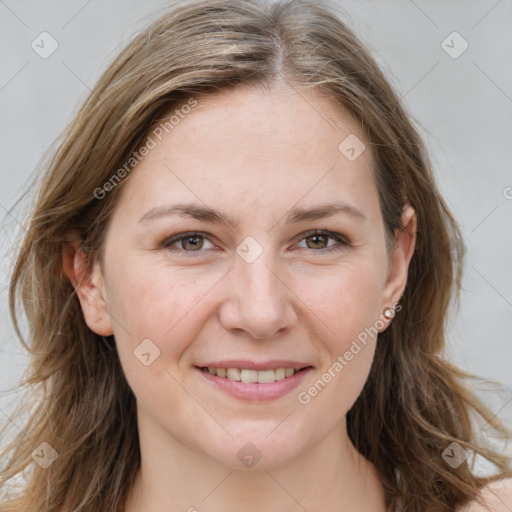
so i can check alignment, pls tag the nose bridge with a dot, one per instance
(259, 279)
(259, 301)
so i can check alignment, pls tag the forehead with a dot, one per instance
(250, 148)
(263, 125)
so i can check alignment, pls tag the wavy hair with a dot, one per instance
(414, 403)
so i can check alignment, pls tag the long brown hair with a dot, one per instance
(414, 403)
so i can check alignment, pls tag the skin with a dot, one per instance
(253, 154)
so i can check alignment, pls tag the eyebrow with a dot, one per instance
(295, 215)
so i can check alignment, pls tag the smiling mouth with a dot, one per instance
(248, 376)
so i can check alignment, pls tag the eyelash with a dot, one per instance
(342, 241)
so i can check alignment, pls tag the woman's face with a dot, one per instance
(256, 291)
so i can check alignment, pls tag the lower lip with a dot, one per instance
(255, 391)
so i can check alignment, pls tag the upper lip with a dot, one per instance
(254, 365)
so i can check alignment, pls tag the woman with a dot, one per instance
(237, 274)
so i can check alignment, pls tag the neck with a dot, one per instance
(329, 476)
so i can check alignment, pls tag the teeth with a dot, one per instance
(252, 376)
(266, 376)
(249, 376)
(280, 373)
(233, 374)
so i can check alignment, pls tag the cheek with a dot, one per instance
(347, 303)
(160, 304)
(345, 299)
(161, 314)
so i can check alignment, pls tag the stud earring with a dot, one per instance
(389, 313)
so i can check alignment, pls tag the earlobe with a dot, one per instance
(89, 286)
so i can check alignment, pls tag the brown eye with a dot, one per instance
(192, 243)
(186, 242)
(318, 241)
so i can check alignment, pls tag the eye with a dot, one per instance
(190, 242)
(319, 240)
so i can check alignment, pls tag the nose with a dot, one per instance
(259, 301)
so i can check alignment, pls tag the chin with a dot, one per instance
(257, 450)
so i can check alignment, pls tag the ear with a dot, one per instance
(89, 285)
(405, 241)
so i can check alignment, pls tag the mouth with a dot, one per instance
(253, 385)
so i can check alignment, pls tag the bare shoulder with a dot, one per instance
(497, 497)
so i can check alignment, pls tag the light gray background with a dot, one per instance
(464, 106)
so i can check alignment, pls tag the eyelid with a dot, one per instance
(341, 239)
